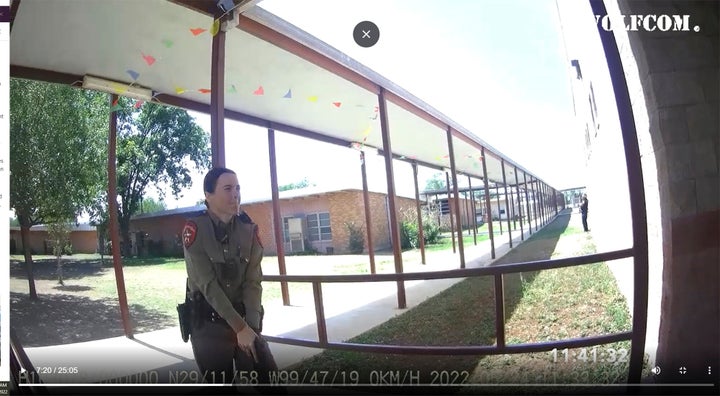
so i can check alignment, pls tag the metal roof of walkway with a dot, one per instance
(275, 75)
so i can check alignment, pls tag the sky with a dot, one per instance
(497, 67)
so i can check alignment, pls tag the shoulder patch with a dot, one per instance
(189, 232)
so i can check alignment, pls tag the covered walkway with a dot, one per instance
(351, 309)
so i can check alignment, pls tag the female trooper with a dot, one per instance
(222, 257)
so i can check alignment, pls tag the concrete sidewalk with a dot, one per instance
(350, 309)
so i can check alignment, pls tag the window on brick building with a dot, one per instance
(286, 229)
(318, 225)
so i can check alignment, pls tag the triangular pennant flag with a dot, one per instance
(167, 43)
(259, 91)
(367, 131)
(445, 156)
(204, 90)
(215, 27)
(138, 104)
(402, 157)
(149, 59)
(313, 98)
(133, 74)
(288, 95)
(337, 104)
(179, 90)
(118, 88)
(197, 31)
(232, 89)
(115, 106)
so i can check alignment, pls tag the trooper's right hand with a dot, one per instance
(246, 342)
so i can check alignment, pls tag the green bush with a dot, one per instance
(408, 235)
(431, 231)
(356, 240)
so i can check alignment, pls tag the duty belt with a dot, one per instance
(209, 313)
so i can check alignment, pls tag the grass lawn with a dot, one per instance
(540, 306)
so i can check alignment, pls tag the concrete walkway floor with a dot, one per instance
(350, 309)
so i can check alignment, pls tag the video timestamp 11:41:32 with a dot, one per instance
(593, 355)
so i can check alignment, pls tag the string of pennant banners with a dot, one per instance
(150, 60)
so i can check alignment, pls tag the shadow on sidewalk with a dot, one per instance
(56, 319)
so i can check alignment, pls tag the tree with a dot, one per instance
(294, 186)
(100, 218)
(150, 205)
(57, 146)
(155, 145)
(436, 182)
(59, 234)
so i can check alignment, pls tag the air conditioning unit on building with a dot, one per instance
(297, 241)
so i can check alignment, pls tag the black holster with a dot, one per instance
(185, 314)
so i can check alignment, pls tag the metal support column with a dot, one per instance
(467, 212)
(534, 202)
(394, 229)
(421, 235)
(512, 209)
(277, 217)
(517, 190)
(452, 222)
(487, 204)
(507, 203)
(453, 170)
(114, 229)
(217, 99)
(368, 217)
(474, 211)
(527, 203)
(497, 200)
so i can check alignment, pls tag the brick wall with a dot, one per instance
(343, 206)
(81, 241)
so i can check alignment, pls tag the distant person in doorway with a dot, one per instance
(584, 211)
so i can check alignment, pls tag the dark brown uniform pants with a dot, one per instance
(217, 355)
(220, 360)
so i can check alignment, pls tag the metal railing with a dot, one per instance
(497, 272)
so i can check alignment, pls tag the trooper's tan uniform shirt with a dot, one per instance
(225, 273)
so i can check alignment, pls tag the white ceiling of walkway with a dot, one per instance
(151, 43)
